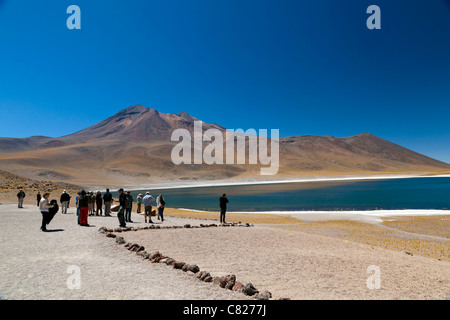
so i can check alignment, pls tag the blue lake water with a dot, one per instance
(408, 193)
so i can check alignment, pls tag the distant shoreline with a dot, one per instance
(203, 184)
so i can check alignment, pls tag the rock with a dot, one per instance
(199, 275)
(223, 281)
(216, 281)
(163, 260)
(103, 230)
(118, 230)
(120, 240)
(178, 265)
(190, 273)
(132, 246)
(249, 290)
(408, 253)
(194, 268)
(208, 279)
(187, 226)
(156, 259)
(170, 261)
(110, 235)
(146, 255)
(185, 268)
(128, 244)
(141, 248)
(283, 299)
(141, 253)
(204, 275)
(237, 286)
(265, 295)
(231, 280)
(154, 255)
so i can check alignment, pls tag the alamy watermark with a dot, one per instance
(74, 280)
(374, 280)
(227, 148)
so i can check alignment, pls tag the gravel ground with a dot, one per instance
(38, 265)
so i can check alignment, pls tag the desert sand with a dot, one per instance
(280, 254)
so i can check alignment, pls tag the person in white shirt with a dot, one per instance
(147, 201)
(43, 207)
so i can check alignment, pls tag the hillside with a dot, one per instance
(133, 147)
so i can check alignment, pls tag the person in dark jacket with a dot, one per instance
(64, 200)
(129, 206)
(83, 202)
(20, 197)
(121, 213)
(99, 201)
(107, 199)
(223, 207)
(38, 198)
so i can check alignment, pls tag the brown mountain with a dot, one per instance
(134, 147)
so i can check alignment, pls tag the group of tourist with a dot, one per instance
(86, 201)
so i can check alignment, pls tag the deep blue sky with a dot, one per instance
(304, 67)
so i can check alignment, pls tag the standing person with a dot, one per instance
(223, 207)
(147, 201)
(123, 203)
(77, 203)
(38, 198)
(129, 206)
(92, 199)
(43, 207)
(99, 201)
(160, 203)
(107, 199)
(83, 202)
(20, 197)
(64, 199)
(88, 195)
(139, 202)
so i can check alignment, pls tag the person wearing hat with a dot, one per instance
(147, 201)
(20, 197)
(64, 199)
(122, 203)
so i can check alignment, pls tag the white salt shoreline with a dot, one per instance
(202, 184)
(370, 216)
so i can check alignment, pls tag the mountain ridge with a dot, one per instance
(134, 145)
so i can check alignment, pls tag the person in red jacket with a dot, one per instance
(84, 208)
